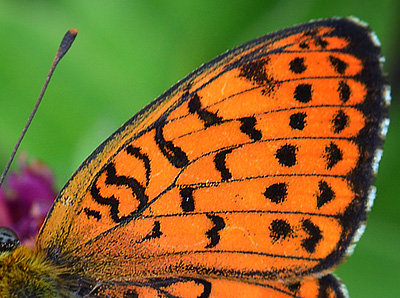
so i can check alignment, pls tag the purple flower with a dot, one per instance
(25, 199)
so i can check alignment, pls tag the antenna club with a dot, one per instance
(66, 42)
(73, 31)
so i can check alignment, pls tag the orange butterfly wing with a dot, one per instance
(253, 172)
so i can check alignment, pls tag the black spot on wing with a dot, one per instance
(297, 65)
(213, 233)
(277, 192)
(298, 121)
(286, 155)
(280, 229)
(302, 93)
(187, 200)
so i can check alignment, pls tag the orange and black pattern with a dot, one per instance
(251, 177)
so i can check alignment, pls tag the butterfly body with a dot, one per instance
(249, 178)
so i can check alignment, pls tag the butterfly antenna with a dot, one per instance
(66, 43)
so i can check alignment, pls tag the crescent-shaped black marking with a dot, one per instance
(173, 153)
(310, 243)
(220, 164)
(207, 117)
(213, 233)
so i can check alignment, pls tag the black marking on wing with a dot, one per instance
(220, 164)
(340, 121)
(207, 117)
(187, 200)
(298, 121)
(173, 153)
(155, 232)
(327, 285)
(248, 127)
(320, 42)
(287, 155)
(135, 151)
(338, 64)
(138, 192)
(162, 285)
(294, 287)
(333, 155)
(303, 93)
(297, 65)
(280, 229)
(92, 213)
(213, 233)
(325, 193)
(276, 193)
(310, 243)
(256, 72)
(344, 91)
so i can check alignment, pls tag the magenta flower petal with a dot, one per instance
(26, 197)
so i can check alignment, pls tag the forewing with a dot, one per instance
(257, 166)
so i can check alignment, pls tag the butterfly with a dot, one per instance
(251, 177)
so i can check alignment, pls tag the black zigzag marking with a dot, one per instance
(207, 117)
(173, 153)
(213, 233)
(138, 192)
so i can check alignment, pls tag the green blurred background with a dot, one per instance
(129, 52)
